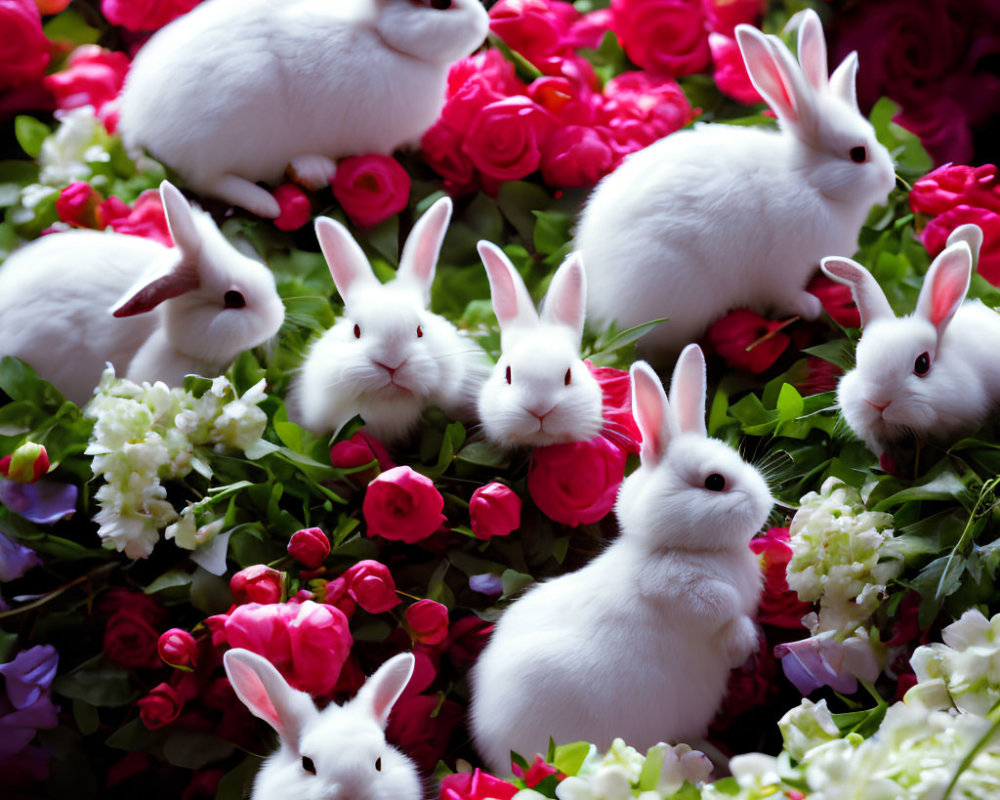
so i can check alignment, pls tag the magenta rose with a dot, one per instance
(730, 72)
(491, 67)
(505, 139)
(739, 338)
(362, 448)
(177, 648)
(588, 31)
(421, 725)
(24, 50)
(576, 483)
(160, 707)
(132, 632)
(837, 300)
(428, 620)
(616, 402)
(935, 236)
(724, 15)
(533, 28)
(294, 206)
(403, 506)
(93, 76)
(955, 185)
(477, 786)
(145, 15)
(309, 546)
(665, 36)
(494, 510)
(369, 583)
(145, 218)
(779, 605)
(442, 148)
(570, 101)
(258, 584)
(639, 108)
(576, 156)
(371, 188)
(77, 205)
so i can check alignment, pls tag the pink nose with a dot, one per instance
(541, 416)
(878, 407)
(387, 368)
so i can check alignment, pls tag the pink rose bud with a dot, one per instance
(371, 188)
(160, 707)
(359, 450)
(258, 584)
(429, 621)
(371, 586)
(26, 464)
(177, 648)
(77, 205)
(495, 510)
(402, 505)
(309, 547)
(295, 207)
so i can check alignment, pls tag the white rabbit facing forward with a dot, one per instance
(722, 216)
(639, 643)
(933, 374)
(540, 392)
(339, 753)
(189, 308)
(235, 91)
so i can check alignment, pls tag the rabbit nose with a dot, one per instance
(878, 407)
(540, 416)
(391, 370)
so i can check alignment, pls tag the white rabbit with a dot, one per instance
(639, 643)
(388, 357)
(723, 216)
(339, 753)
(235, 91)
(60, 296)
(540, 392)
(933, 374)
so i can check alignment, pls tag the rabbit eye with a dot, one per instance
(922, 365)
(569, 376)
(508, 374)
(859, 155)
(233, 299)
(440, 5)
(357, 331)
(378, 764)
(420, 332)
(715, 482)
(308, 765)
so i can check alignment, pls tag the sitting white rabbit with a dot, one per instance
(337, 753)
(235, 91)
(724, 216)
(70, 302)
(639, 643)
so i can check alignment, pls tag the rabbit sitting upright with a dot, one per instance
(723, 216)
(639, 643)
(235, 91)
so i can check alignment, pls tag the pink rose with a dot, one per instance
(569, 101)
(362, 448)
(421, 725)
(309, 546)
(77, 205)
(442, 148)
(145, 219)
(665, 36)
(294, 205)
(160, 707)
(576, 156)
(837, 300)
(258, 584)
(371, 188)
(730, 72)
(739, 338)
(533, 28)
(93, 76)
(588, 31)
(489, 66)
(641, 108)
(779, 605)
(403, 506)
(428, 620)
(935, 236)
(369, 583)
(576, 483)
(724, 15)
(24, 50)
(477, 786)
(505, 138)
(145, 15)
(616, 399)
(177, 648)
(954, 185)
(494, 510)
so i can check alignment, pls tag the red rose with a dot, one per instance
(422, 726)
(132, 632)
(569, 101)
(203, 784)
(739, 338)
(371, 188)
(295, 207)
(160, 707)
(837, 300)
(730, 73)
(935, 237)
(576, 156)
(428, 620)
(360, 449)
(641, 108)
(466, 640)
(820, 376)
(751, 685)
(24, 50)
(370, 585)
(533, 28)
(665, 36)
(494, 510)
(442, 149)
(145, 15)
(145, 219)
(93, 77)
(309, 547)
(724, 15)
(477, 786)
(616, 400)
(258, 584)
(576, 483)
(77, 205)
(177, 648)
(957, 185)
(505, 138)
(779, 605)
(403, 506)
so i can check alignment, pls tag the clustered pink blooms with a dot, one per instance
(80, 205)
(144, 15)
(93, 76)
(258, 584)
(954, 195)
(24, 49)
(779, 605)
(428, 621)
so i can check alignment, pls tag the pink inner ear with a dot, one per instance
(949, 289)
(505, 296)
(648, 412)
(254, 695)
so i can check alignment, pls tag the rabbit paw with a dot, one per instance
(246, 194)
(313, 172)
(739, 639)
(806, 305)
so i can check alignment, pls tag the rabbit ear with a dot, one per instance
(344, 256)
(871, 300)
(651, 412)
(843, 82)
(945, 285)
(972, 235)
(172, 280)
(688, 389)
(382, 690)
(511, 301)
(423, 245)
(566, 301)
(776, 75)
(812, 47)
(262, 690)
(180, 220)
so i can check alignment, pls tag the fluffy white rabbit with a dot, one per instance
(339, 753)
(540, 392)
(235, 91)
(933, 374)
(639, 643)
(69, 302)
(388, 356)
(723, 216)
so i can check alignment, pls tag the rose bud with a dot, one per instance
(177, 648)
(258, 584)
(495, 510)
(429, 621)
(309, 547)
(294, 205)
(371, 586)
(26, 464)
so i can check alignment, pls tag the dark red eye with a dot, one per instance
(508, 374)
(233, 299)
(420, 332)
(859, 155)
(569, 376)
(357, 331)
(922, 365)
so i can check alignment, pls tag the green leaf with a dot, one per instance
(552, 232)
(649, 778)
(86, 717)
(570, 757)
(8, 646)
(235, 784)
(513, 582)
(168, 580)
(96, 682)
(194, 749)
(790, 404)
(619, 340)
(133, 736)
(30, 134)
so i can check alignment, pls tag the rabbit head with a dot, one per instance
(217, 301)
(540, 391)
(836, 146)
(690, 492)
(339, 753)
(436, 31)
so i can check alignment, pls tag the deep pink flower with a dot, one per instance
(837, 300)
(371, 188)
(442, 149)
(309, 546)
(534, 28)
(362, 448)
(93, 76)
(48, 7)
(489, 66)
(295, 207)
(422, 725)
(144, 15)
(466, 640)
(258, 584)
(24, 50)
(428, 620)
(779, 605)
(569, 101)
(160, 707)
(402, 505)
(751, 685)
(132, 632)
(145, 219)
(730, 73)
(576, 483)
(370, 585)
(616, 400)
(936, 234)
(177, 648)
(641, 108)
(78, 204)
(724, 15)
(477, 786)
(820, 376)
(731, 336)
(588, 31)
(665, 36)
(494, 510)
(576, 156)
(536, 773)
(957, 185)
(504, 140)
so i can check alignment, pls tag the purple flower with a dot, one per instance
(15, 559)
(45, 501)
(821, 660)
(26, 704)
(487, 584)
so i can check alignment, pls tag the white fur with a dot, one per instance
(962, 387)
(343, 742)
(538, 406)
(236, 90)
(57, 295)
(389, 373)
(639, 643)
(722, 216)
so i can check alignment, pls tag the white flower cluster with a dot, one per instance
(920, 745)
(147, 433)
(842, 556)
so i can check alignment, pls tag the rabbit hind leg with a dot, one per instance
(245, 194)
